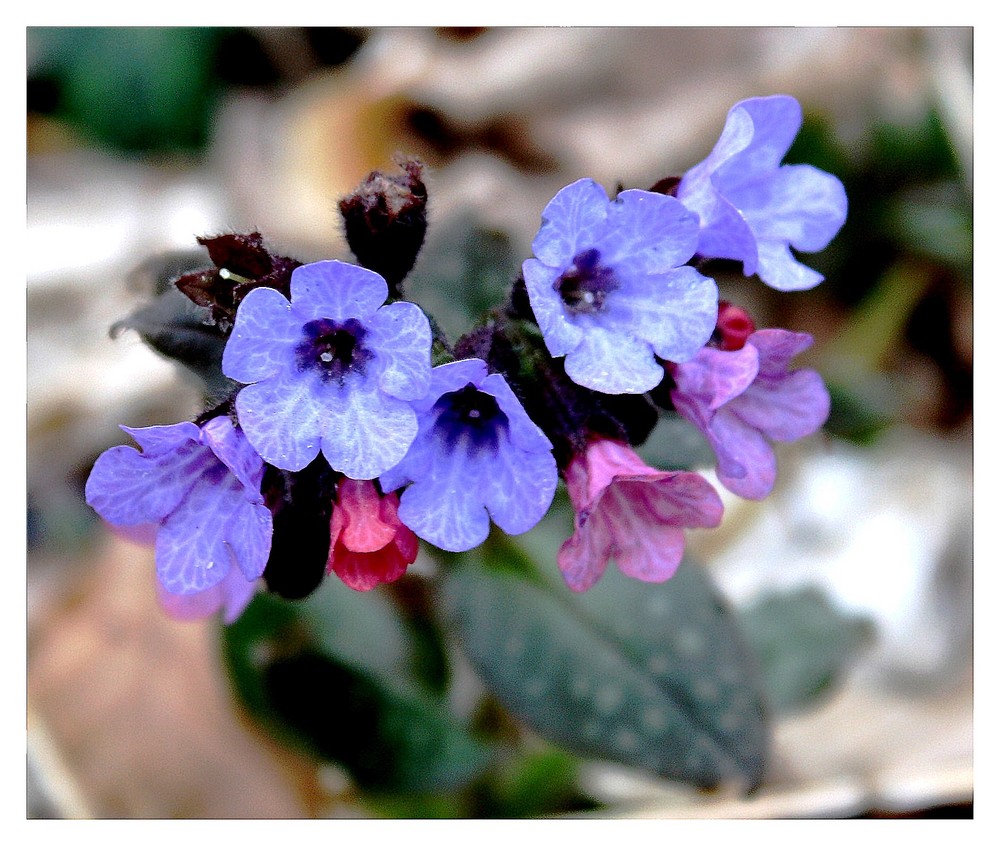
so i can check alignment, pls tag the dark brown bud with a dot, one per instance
(385, 221)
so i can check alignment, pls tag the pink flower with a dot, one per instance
(744, 399)
(369, 545)
(628, 511)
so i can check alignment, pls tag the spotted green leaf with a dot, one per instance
(651, 676)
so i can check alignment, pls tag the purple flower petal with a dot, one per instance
(231, 596)
(282, 418)
(613, 363)
(128, 488)
(402, 335)
(367, 432)
(476, 455)
(191, 550)
(607, 287)
(799, 205)
(440, 509)
(263, 337)
(742, 400)
(518, 491)
(647, 232)
(572, 221)
(336, 290)
(232, 449)
(199, 490)
(668, 311)
(752, 208)
(339, 371)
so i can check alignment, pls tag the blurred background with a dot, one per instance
(852, 582)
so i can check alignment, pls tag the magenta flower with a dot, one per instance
(332, 370)
(752, 208)
(369, 545)
(744, 399)
(197, 489)
(628, 511)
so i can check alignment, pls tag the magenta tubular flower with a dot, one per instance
(752, 208)
(477, 455)
(199, 488)
(628, 511)
(742, 400)
(332, 370)
(369, 545)
(610, 289)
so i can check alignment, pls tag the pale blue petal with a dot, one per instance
(365, 433)
(443, 507)
(517, 486)
(782, 271)
(281, 417)
(248, 534)
(560, 333)
(264, 337)
(400, 334)
(674, 312)
(776, 121)
(800, 205)
(572, 221)
(336, 290)
(647, 232)
(613, 363)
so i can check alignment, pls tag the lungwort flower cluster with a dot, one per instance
(336, 444)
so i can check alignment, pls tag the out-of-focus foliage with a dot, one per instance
(899, 270)
(803, 644)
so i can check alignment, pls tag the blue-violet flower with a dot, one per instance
(332, 370)
(200, 488)
(477, 455)
(743, 399)
(752, 208)
(609, 288)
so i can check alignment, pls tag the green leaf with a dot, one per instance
(803, 644)
(325, 680)
(652, 676)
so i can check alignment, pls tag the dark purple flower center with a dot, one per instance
(586, 283)
(472, 414)
(333, 349)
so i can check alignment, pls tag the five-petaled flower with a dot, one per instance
(628, 511)
(610, 289)
(199, 487)
(369, 545)
(332, 370)
(743, 399)
(752, 208)
(477, 455)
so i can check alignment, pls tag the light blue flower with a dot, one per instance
(332, 370)
(477, 455)
(609, 288)
(752, 208)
